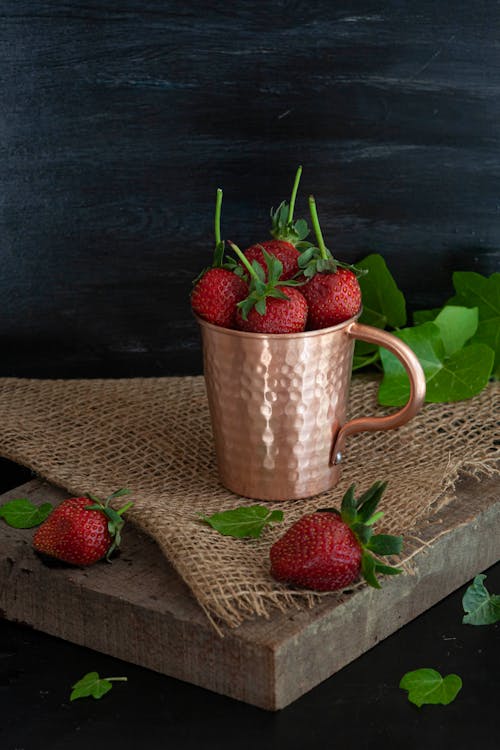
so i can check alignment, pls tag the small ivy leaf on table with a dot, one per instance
(426, 686)
(91, 685)
(23, 514)
(245, 521)
(481, 607)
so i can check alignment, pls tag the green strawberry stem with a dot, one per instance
(219, 243)
(218, 206)
(244, 260)
(293, 197)
(325, 254)
(116, 679)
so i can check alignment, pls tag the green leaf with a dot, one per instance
(348, 505)
(474, 290)
(23, 514)
(363, 360)
(364, 533)
(427, 686)
(245, 521)
(387, 570)
(385, 544)
(92, 685)
(482, 608)
(454, 378)
(383, 303)
(456, 326)
(369, 500)
(368, 570)
(425, 316)
(301, 228)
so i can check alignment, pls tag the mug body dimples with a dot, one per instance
(278, 406)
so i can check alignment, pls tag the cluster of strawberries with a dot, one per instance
(283, 285)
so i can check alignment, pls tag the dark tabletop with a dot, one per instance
(361, 707)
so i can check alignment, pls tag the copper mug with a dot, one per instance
(278, 405)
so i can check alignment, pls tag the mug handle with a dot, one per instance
(417, 388)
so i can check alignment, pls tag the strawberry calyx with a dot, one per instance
(360, 515)
(260, 287)
(317, 258)
(115, 520)
(219, 259)
(283, 226)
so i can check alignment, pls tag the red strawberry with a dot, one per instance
(282, 315)
(273, 306)
(332, 297)
(216, 294)
(287, 234)
(81, 530)
(327, 550)
(218, 289)
(284, 251)
(332, 291)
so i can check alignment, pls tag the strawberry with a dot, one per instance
(218, 289)
(286, 253)
(332, 291)
(283, 315)
(81, 530)
(287, 234)
(327, 550)
(273, 305)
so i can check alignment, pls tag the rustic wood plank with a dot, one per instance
(139, 610)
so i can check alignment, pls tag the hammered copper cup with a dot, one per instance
(278, 405)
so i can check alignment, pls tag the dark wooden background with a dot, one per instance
(119, 119)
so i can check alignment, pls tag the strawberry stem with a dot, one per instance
(244, 260)
(293, 197)
(116, 679)
(317, 229)
(218, 206)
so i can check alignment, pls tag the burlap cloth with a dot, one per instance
(153, 436)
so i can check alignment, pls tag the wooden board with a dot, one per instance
(137, 609)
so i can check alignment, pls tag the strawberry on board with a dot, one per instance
(287, 234)
(218, 289)
(82, 530)
(332, 290)
(328, 549)
(273, 305)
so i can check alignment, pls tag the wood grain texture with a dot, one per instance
(139, 610)
(119, 119)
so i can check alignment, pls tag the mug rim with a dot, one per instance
(298, 335)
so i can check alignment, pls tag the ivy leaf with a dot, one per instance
(426, 686)
(474, 290)
(456, 326)
(245, 521)
(454, 378)
(23, 514)
(482, 608)
(383, 303)
(363, 360)
(93, 685)
(425, 316)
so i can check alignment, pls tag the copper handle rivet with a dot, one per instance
(338, 457)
